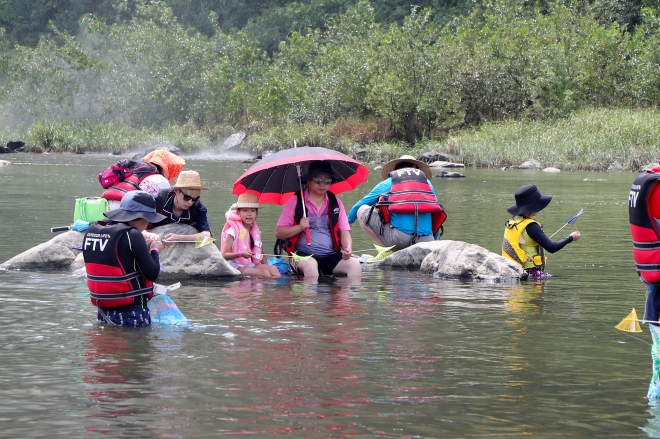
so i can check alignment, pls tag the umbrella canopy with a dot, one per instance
(274, 179)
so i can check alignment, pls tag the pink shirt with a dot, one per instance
(286, 218)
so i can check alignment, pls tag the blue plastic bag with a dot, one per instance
(282, 266)
(163, 310)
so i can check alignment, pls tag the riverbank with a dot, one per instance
(596, 139)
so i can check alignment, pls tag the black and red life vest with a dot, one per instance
(644, 228)
(411, 194)
(289, 244)
(139, 171)
(110, 284)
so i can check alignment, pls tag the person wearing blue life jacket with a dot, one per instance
(121, 266)
(403, 209)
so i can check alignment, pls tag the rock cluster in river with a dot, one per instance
(180, 261)
(441, 259)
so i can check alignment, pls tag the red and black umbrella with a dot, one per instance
(274, 179)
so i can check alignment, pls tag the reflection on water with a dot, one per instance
(395, 354)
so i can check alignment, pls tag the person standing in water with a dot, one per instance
(524, 241)
(644, 215)
(121, 267)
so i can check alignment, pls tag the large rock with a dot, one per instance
(460, 260)
(233, 141)
(55, 254)
(528, 164)
(180, 261)
(411, 258)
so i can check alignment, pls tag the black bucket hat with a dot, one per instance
(317, 168)
(134, 205)
(528, 200)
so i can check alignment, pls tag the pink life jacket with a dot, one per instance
(243, 238)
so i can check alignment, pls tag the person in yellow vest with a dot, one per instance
(524, 240)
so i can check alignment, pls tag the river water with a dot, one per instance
(397, 354)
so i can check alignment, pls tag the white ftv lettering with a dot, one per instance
(632, 198)
(408, 171)
(93, 241)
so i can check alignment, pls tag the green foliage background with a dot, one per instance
(336, 73)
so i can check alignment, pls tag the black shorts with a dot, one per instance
(326, 263)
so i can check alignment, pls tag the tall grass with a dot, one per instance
(592, 139)
(587, 140)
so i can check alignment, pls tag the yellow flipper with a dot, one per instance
(630, 323)
(383, 252)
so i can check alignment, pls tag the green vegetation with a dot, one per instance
(574, 85)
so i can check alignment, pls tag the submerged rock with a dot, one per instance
(447, 174)
(551, 169)
(182, 260)
(4, 162)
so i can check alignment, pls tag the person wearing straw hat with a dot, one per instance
(403, 209)
(121, 266)
(330, 244)
(242, 247)
(524, 241)
(181, 205)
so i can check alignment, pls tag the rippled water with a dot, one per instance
(396, 354)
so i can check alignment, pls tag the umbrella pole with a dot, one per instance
(302, 198)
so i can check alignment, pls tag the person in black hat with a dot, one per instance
(524, 240)
(121, 266)
(330, 245)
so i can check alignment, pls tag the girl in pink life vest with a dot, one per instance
(241, 239)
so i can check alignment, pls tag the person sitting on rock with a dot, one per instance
(403, 209)
(331, 244)
(242, 247)
(121, 267)
(155, 172)
(524, 241)
(181, 205)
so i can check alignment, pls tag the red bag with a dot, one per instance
(114, 174)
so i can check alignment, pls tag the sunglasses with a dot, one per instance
(188, 198)
(319, 181)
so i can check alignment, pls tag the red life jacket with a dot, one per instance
(644, 228)
(139, 171)
(289, 244)
(111, 284)
(411, 194)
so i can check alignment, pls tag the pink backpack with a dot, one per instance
(114, 174)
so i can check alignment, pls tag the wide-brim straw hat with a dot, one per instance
(134, 205)
(189, 180)
(169, 162)
(246, 201)
(529, 200)
(389, 166)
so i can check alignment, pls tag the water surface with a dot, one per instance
(397, 354)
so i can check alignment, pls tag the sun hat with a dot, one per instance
(320, 167)
(169, 162)
(246, 201)
(528, 200)
(189, 180)
(389, 166)
(134, 205)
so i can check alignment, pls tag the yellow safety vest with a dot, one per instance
(519, 247)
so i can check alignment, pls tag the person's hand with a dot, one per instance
(158, 245)
(246, 254)
(575, 235)
(346, 253)
(304, 222)
(168, 237)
